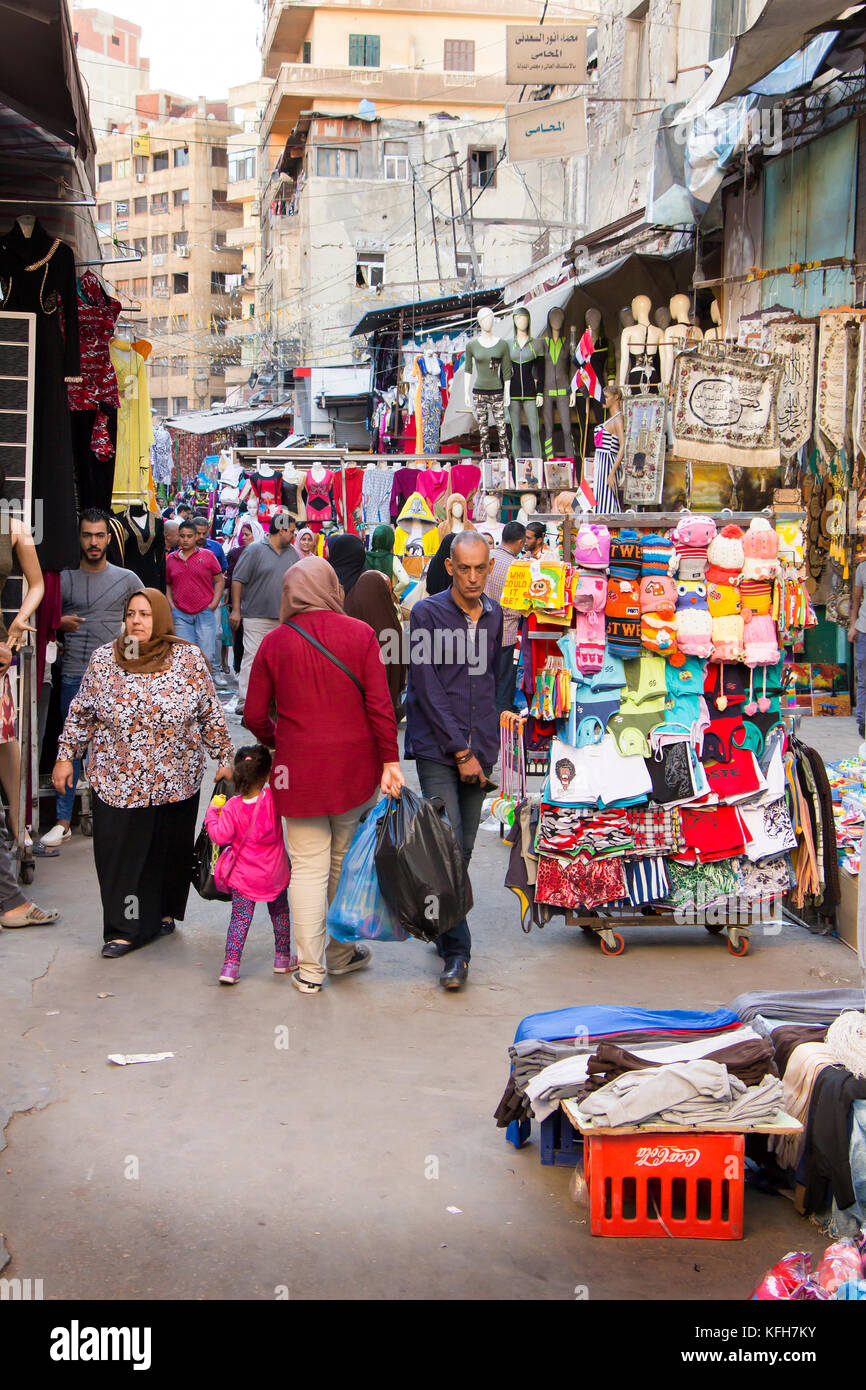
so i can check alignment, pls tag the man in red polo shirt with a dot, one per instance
(194, 584)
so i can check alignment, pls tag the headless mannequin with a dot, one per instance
(528, 507)
(487, 362)
(526, 395)
(714, 334)
(556, 385)
(27, 222)
(639, 348)
(678, 335)
(317, 472)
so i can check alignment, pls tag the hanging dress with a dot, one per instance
(428, 408)
(606, 450)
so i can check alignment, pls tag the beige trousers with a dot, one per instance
(317, 846)
(254, 630)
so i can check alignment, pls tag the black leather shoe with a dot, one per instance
(455, 974)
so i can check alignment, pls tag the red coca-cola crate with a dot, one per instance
(666, 1184)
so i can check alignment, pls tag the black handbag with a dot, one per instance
(205, 855)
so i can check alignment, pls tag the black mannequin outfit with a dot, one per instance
(143, 549)
(37, 276)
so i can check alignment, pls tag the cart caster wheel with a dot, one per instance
(85, 825)
(27, 873)
(714, 927)
(738, 947)
(616, 949)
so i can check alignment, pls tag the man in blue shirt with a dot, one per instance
(452, 723)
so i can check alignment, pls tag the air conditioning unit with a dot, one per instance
(183, 251)
(255, 208)
(157, 260)
(141, 178)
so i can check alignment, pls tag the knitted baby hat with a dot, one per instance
(760, 641)
(622, 618)
(756, 595)
(694, 628)
(691, 594)
(658, 594)
(589, 591)
(691, 537)
(592, 547)
(728, 638)
(589, 637)
(656, 554)
(658, 635)
(723, 594)
(761, 548)
(625, 555)
(725, 551)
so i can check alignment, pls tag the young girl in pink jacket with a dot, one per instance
(260, 872)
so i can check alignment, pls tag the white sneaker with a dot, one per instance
(58, 835)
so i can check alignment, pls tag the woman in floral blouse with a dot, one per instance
(148, 708)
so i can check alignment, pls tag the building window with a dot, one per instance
(220, 241)
(159, 368)
(307, 52)
(140, 167)
(219, 157)
(638, 84)
(105, 173)
(397, 160)
(334, 163)
(180, 323)
(159, 325)
(159, 405)
(159, 245)
(115, 41)
(159, 202)
(139, 286)
(242, 166)
(181, 197)
(179, 404)
(139, 206)
(219, 200)
(181, 157)
(179, 366)
(103, 213)
(459, 55)
(181, 241)
(363, 50)
(121, 208)
(481, 165)
(122, 286)
(181, 282)
(159, 286)
(122, 168)
(160, 161)
(369, 269)
(139, 245)
(727, 20)
(218, 282)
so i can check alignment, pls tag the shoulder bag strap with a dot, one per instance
(314, 642)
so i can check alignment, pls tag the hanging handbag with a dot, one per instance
(205, 855)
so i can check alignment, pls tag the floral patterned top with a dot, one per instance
(149, 734)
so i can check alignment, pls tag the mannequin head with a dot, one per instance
(555, 320)
(522, 321)
(484, 319)
(640, 307)
(457, 510)
(252, 505)
(528, 502)
(491, 508)
(679, 307)
(716, 313)
(593, 322)
(626, 318)
(663, 318)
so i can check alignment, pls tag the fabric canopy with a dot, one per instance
(781, 30)
(39, 76)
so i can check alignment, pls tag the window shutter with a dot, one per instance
(356, 50)
(372, 54)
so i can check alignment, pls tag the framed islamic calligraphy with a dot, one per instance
(794, 340)
(644, 459)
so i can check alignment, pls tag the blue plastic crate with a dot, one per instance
(559, 1142)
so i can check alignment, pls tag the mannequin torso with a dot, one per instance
(639, 347)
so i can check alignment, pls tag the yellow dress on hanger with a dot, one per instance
(134, 424)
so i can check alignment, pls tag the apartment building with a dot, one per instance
(385, 130)
(109, 57)
(163, 192)
(247, 171)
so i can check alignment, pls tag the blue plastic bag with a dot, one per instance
(359, 912)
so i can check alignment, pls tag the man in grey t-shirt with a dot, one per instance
(857, 635)
(93, 602)
(257, 588)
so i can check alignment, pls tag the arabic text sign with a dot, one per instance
(553, 54)
(542, 129)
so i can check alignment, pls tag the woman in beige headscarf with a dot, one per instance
(148, 709)
(335, 738)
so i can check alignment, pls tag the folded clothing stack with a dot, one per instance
(692, 1094)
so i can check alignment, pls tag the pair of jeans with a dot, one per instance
(66, 800)
(198, 628)
(506, 679)
(463, 802)
(860, 664)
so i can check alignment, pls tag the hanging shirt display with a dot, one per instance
(376, 496)
(428, 406)
(37, 276)
(134, 423)
(161, 456)
(268, 491)
(144, 547)
(320, 505)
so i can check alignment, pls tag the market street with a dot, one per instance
(303, 1172)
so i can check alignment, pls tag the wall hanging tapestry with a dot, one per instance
(644, 457)
(860, 394)
(724, 406)
(838, 352)
(794, 340)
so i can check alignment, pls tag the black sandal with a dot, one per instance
(112, 949)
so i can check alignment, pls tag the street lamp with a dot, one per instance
(201, 385)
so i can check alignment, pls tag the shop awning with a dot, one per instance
(539, 307)
(39, 76)
(783, 27)
(426, 311)
(209, 421)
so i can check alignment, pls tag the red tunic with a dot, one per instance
(330, 742)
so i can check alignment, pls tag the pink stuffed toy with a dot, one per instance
(761, 550)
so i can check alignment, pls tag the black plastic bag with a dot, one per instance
(204, 857)
(420, 866)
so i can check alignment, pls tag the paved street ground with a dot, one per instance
(239, 1167)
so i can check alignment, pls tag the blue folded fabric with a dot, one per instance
(597, 1020)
